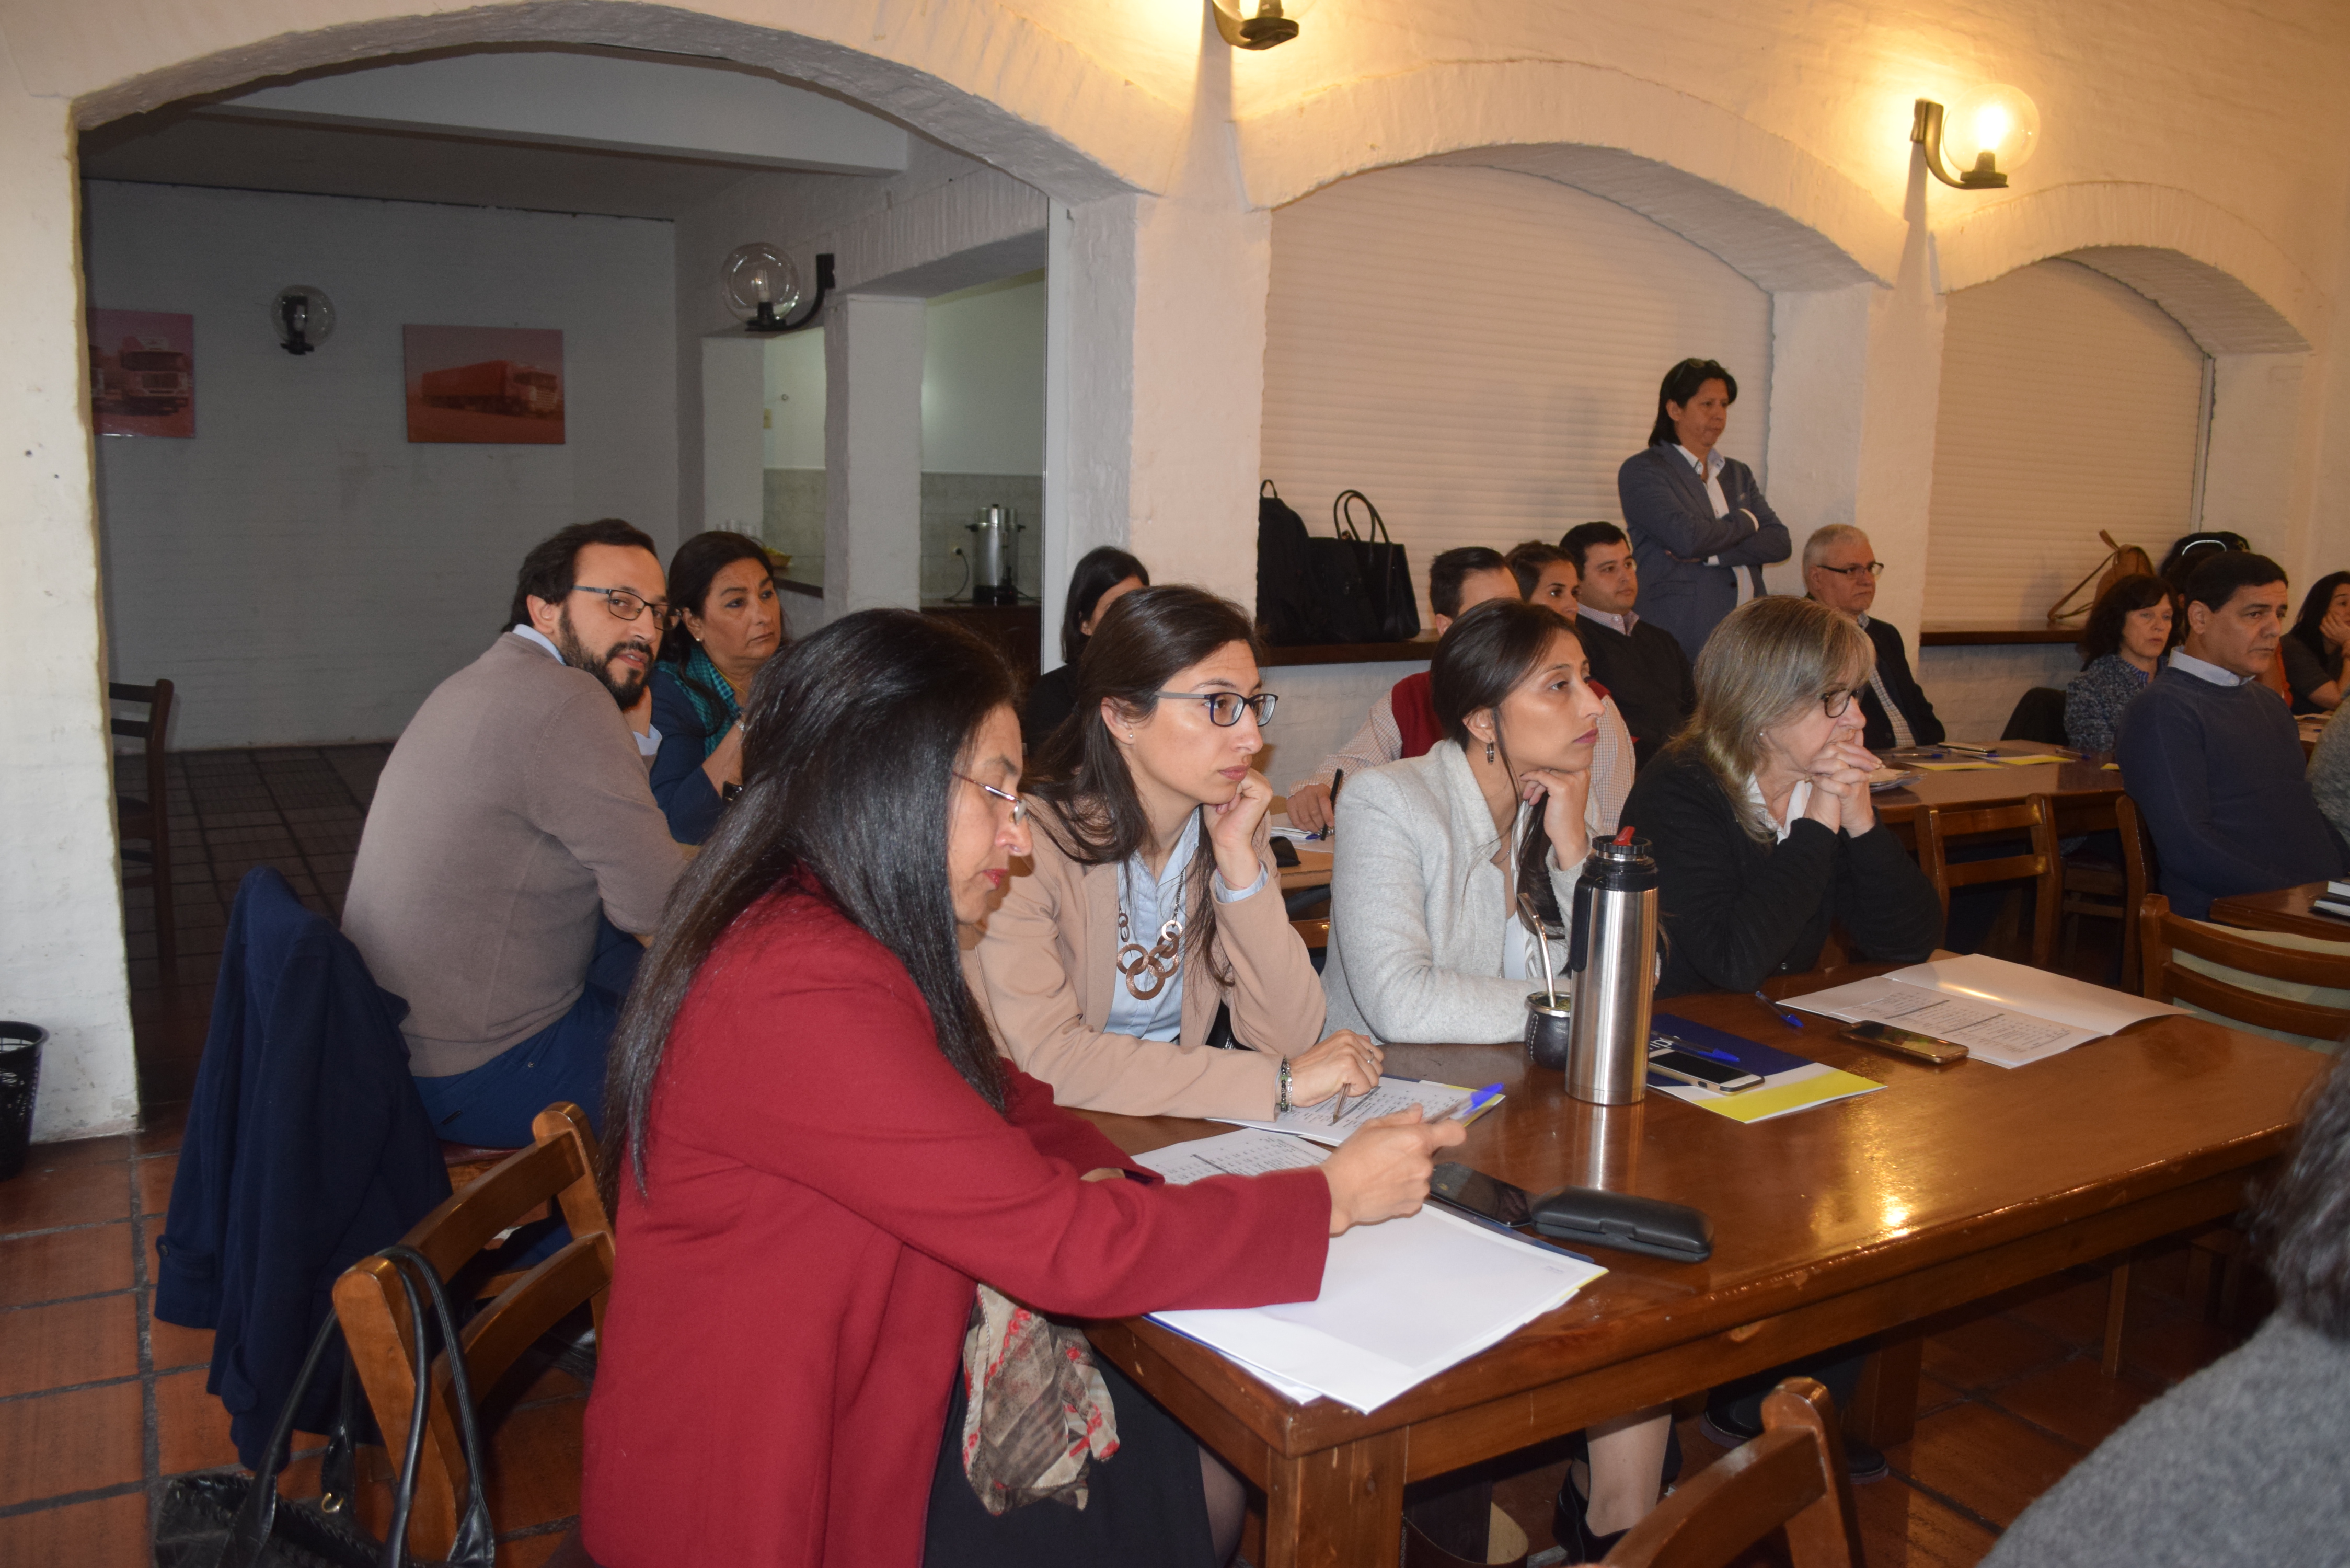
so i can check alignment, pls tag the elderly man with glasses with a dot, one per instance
(513, 859)
(1840, 571)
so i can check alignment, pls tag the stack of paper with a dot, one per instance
(2003, 1014)
(1790, 1083)
(1328, 1122)
(1400, 1301)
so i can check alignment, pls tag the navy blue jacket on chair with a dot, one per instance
(1674, 532)
(307, 1150)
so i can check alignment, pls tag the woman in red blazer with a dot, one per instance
(818, 1152)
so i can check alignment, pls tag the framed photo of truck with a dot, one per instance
(142, 373)
(500, 385)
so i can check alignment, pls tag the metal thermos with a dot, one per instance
(996, 557)
(1611, 961)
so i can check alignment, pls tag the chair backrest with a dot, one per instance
(2138, 874)
(153, 731)
(2163, 935)
(2036, 819)
(377, 1326)
(2039, 716)
(1793, 1476)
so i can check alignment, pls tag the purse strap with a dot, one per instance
(1342, 518)
(2064, 608)
(476, 1543)
(249, 1533)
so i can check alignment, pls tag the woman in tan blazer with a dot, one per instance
(1150, 899)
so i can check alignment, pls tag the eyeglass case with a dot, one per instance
(1587, 1216)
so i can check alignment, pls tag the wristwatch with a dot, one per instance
(1281, 1093)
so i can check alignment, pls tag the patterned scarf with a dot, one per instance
(1036, 1412)
(712, 698)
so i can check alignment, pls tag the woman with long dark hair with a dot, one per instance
(1151, 905)
(1104, 575)
(813, 1152)
(1693, 516)
(2129, 637)
(729, 624)
(2316, 651)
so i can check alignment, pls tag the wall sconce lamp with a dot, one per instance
(1986, 134)
(1256, 24)
(302, 316)
(762, 288)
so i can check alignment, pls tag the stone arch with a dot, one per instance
(1762, 205)
(2233, 289)
(952, 83)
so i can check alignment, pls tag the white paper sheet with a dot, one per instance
(2004, 1013)
(1435, 1100)
(1400, 1302)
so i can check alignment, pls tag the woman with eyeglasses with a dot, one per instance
(729, 623)
(814, 1157)
(1759, 812)
(1151, 906)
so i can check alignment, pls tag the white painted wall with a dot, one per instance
(300, 570)
(984, 380)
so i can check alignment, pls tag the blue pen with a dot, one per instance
(1677, 1044)
(1785, 1017)
(1476, 1102)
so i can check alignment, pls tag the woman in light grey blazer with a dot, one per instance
(1424, 946)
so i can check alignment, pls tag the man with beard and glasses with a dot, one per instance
(513, 855)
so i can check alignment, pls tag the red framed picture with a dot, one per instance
(142, 373)
(502, 385)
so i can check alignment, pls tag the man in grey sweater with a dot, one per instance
(2242, 1463)
(514, 854)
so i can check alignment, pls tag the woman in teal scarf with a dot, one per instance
(728, 625)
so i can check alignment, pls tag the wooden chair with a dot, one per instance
(2162, 934)
(2106, 892)
(1791, 1477)
(143, 811)
(2036, 817)
(373, 1307)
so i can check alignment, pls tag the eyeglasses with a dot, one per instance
(1838, 703)
(1019, 806)
(1874, 569)
(1224, 706)
(627, 605)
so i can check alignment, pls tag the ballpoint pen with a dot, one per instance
(1780, 1013)
(1708, 1052)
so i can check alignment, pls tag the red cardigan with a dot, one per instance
(789, 1302)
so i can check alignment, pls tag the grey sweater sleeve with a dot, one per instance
(1381, 909)
(587, 788)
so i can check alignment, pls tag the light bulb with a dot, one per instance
(1998, 120)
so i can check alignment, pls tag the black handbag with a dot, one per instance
(1285, 606)
(239, 1522)
(1385, 569)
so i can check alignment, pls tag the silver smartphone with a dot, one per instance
(1722, 1077)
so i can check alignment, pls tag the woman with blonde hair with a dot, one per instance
(1759, 812)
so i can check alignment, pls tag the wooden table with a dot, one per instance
(2286, 909)
(2084, 791)
(1833, 1225)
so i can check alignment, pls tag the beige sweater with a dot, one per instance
(1046, 970)
(513, 812)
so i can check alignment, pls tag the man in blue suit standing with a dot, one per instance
(1694, 515)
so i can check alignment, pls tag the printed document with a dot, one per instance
(2003, 1014)
(1436, 1101)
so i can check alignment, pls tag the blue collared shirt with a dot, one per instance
(2187, 664)
(1149, 902)
(648, 743)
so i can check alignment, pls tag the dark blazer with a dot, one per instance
(1674, 531)
(307, 1150)
(1052, 699)
(1908, 695)
(1736, 911)
(1647, 675)
(679, 788)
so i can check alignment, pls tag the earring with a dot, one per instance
(1489, 751)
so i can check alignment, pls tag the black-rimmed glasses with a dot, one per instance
(1874, 569)
(627, 604)
(1224, 706)
(1836, 704)
(1019, 806)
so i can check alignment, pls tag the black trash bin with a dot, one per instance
(20, 1079)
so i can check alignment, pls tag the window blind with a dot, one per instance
(1478, 351)
(2070, 403)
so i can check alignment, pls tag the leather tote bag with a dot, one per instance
(1386, 571)
(239, 1522)
(1285, 614)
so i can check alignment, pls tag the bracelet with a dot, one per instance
(1281, 1094)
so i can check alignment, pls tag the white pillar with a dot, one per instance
(872, 453)
(1819, 363)
(733, 400)
(1902, 389)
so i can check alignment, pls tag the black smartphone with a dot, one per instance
(1722, 1077)
(1475, 1192)
(1284, 854)
(1905, 1041)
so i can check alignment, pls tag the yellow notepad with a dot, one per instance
(1798, 1089)
(1954, 767)
(2027, 761)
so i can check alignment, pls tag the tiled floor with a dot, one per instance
(104, 1404)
